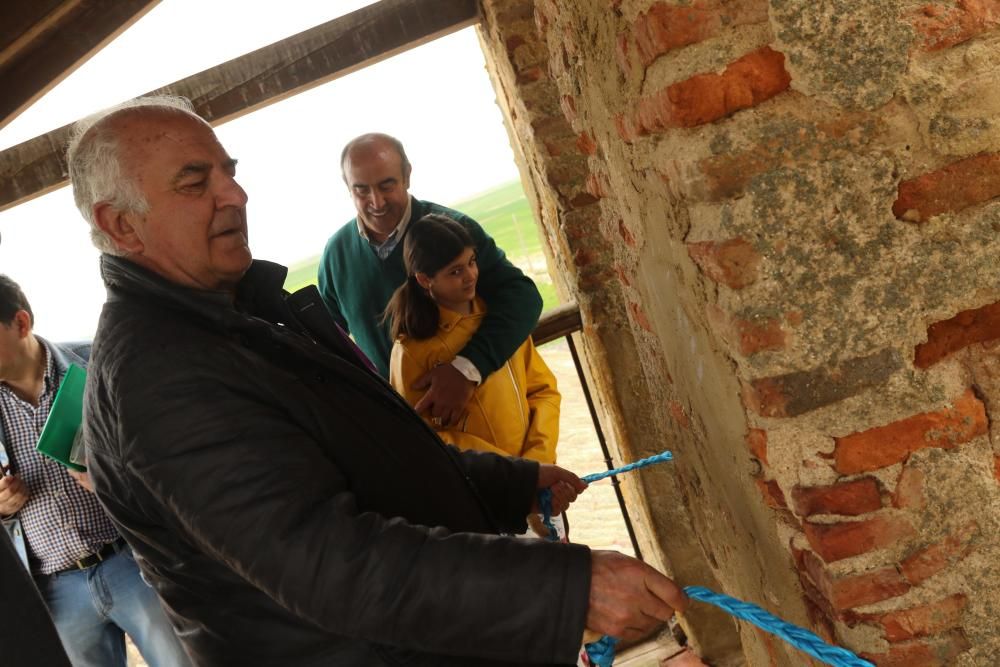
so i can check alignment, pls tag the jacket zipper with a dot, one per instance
(517, 400)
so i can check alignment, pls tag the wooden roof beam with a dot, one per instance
(260, 78)
(52, 48)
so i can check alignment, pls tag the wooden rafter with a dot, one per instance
(56, 44)
(262, 77)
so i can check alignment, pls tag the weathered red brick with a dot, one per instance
(732, 262)
(793, 394)
(597, 185)
(921, 621)
(747, 82)
(586, 143)
(583, 199)
(834, 541)
(748, 335)
(704, 98)
(626, 234)
(639, 316)
(627, 128)
(530, 74)
(976, 325)
(623, 275)
(909, 493)
(821, 621)
(932, 652)
(757, 442)
(513, 42)
(885, 445)
(552, 148)
(584, 257)
(858, 496)
(664, 27)
(755, 336)
(846, 592)
(774, 497)
(550, 128)
(952, 188)
(543, 10)
(928, 561)
(679, 414)
(943, 26)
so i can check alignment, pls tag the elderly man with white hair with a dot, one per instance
(289, 508)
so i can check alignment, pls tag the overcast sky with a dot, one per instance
(437, 99)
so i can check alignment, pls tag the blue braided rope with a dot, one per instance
(602, 652)
(545, 496)
(800, 638)
(642, 463)
(545, 504)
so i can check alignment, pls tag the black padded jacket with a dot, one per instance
(290, 509)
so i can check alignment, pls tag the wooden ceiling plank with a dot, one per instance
(47, 22)
(17, 17)
(262, 77)
(72, 35)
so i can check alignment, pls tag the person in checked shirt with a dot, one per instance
(83, 569)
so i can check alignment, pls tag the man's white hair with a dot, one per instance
(95, 167)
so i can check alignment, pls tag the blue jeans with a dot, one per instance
(94, 608)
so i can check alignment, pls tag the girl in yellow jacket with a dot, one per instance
(514, 411)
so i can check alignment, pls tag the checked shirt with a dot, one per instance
(62, 521)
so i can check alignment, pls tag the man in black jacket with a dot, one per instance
(287, 505)
(27, 636)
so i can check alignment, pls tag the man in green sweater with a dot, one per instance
(362, 266)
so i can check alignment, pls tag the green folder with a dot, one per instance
(60, 438)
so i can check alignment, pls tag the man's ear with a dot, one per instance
(423, 280)
(22, 320)
(118, 227)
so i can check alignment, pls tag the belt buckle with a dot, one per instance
(99, 556)
(87, 561)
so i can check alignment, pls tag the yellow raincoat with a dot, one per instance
(514, 412)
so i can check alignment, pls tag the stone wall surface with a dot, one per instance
(781, 220)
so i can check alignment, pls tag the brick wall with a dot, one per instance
(782, 220)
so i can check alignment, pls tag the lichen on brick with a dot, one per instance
(851, 53)
(721, 144)
(950, 126)
(833, 251)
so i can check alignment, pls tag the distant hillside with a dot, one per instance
(505, 214)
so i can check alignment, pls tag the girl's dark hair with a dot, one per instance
(431, 243)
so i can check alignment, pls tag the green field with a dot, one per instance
(505, 214)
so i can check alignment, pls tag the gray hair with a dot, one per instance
(95, 167)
